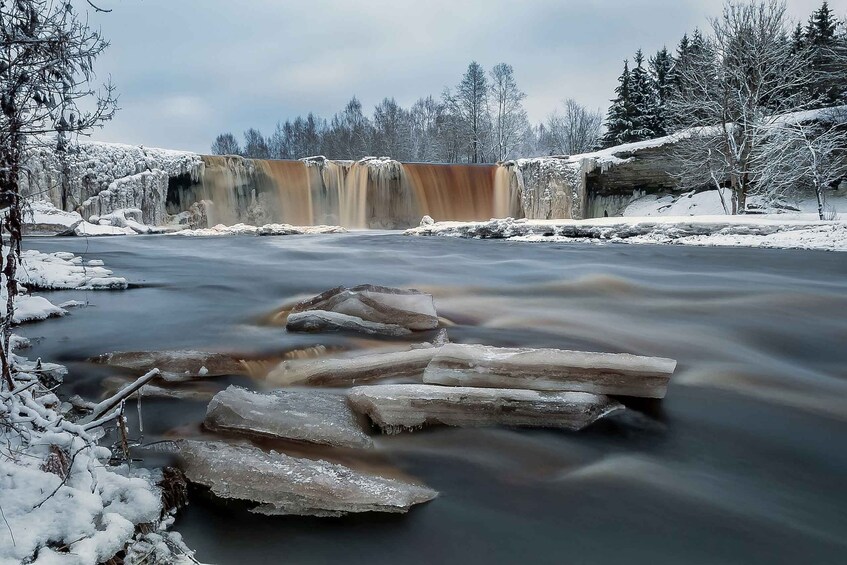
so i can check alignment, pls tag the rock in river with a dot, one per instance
(322, 321)
(284, 485)
(550, 370)
(316, 416)
(395, 408)
(410, 309)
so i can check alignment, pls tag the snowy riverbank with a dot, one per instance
(773, 231)
(67, 499)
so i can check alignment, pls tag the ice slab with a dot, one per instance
(550, 370)
(284, 485)
(315, 416)
(175, 366)
(395, 408)
(321, 321)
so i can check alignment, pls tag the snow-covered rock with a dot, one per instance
(550, 370)
(266, 230)
(43, 218)
(64, 271)
(404, 407)
(32, 309)
(314, 416)
(285, 485)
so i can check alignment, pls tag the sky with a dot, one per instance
(187, 70)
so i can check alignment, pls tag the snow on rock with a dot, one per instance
(747, 230)
(55, 271)
(266, 230)
(285, 485)
(400, 407)
(32, 309)
(42, 218)
(314, 416)
(550, 370)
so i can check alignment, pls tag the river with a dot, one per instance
(744, 461)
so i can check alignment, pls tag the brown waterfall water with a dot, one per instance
(291, 181)
(366, 194)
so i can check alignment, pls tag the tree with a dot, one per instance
(349, 134)
(619, 123)
(810, 156)
(661, 74)
(644, 110)
(509, 116)
(426, 119)
(391, 130)
(47, 52)
(470, 105)
(226, 144)
(255, 145)
(735, 88)
(573, 131)
(827, 87)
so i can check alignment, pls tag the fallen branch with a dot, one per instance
(113, 401)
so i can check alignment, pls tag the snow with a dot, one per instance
(42, 217)
(774, 231)
(62, 502)
(267, 230)
(708, 203)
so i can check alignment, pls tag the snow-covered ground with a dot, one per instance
(776, 231)
(62, 501)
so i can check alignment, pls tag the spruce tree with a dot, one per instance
(644, 102)
(821, 39)
(661, 73)
(619, 119)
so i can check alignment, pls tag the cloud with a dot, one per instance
(190, 69)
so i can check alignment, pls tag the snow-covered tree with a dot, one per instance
(391, 130)
(661, 73)
(573, 130)
(47, 53)
(508, 114)
(737, 87)
(644, 114)
(226, 144)
(619, 123)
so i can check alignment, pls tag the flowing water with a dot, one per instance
(744, 461)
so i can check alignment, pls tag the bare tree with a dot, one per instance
(735, 88)
(255, 145)
(225, 144)
(805, 156)
(391, 133)
(47, 53)
(574, 130)
(470, 105)
(509, 117)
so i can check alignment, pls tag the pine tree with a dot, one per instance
(661, 73)
(618, 120)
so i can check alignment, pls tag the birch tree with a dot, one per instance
(574, 130)
(509, 116)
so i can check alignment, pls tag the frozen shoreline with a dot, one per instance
(767, 231)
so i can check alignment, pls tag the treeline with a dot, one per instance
(481, 120)
(651, 95)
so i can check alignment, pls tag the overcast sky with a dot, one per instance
(187, 70)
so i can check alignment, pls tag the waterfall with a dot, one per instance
(370, 193)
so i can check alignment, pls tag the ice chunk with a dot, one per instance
(550, 370)
(321, 321)
(284, 485)
(175, 366)
(315, 416)
(350, 370)
(401, 407)
(410, 309)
